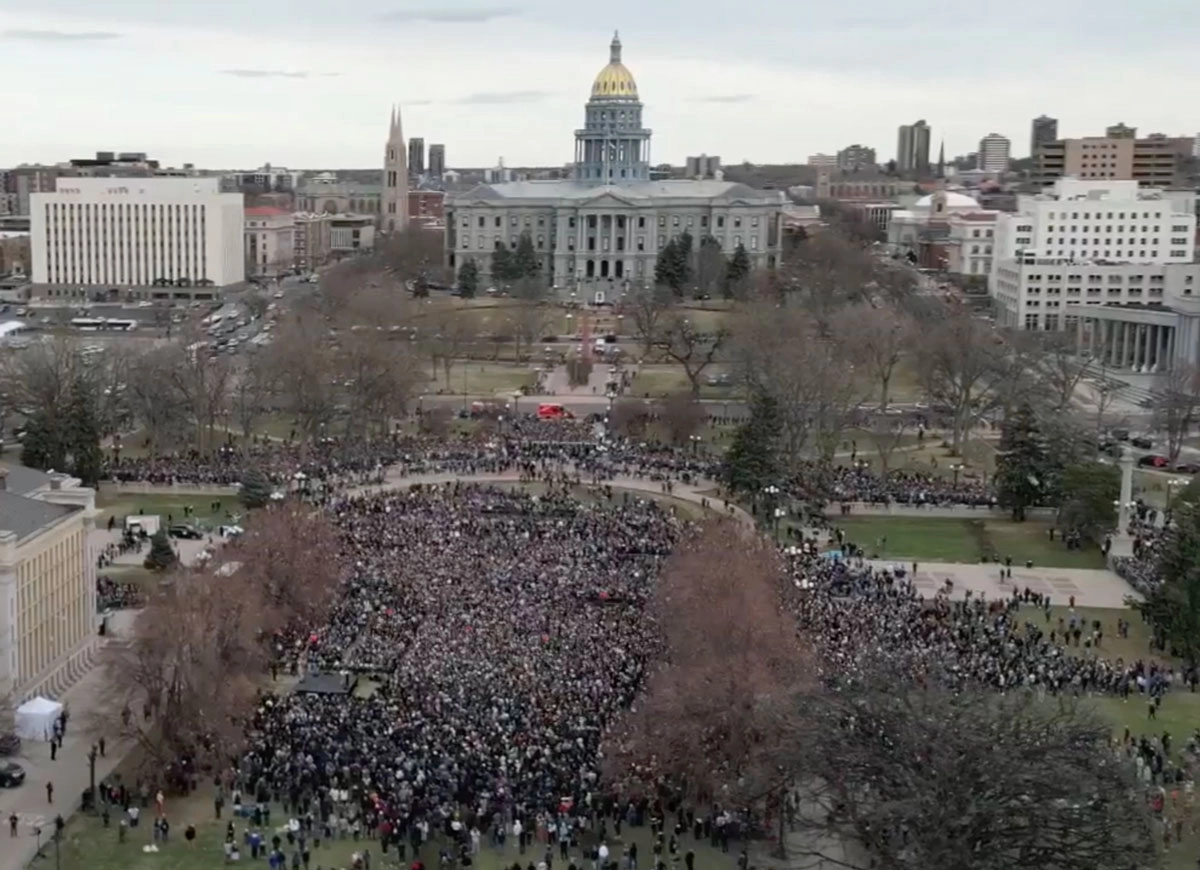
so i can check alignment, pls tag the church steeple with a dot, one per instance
(394, 206)
(941, 164)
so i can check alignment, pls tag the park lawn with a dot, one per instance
(967, 540)
(482, 379)
(88, 845)
(122, 504)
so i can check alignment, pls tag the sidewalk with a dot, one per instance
(69, 773)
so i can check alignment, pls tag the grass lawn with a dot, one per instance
(481, 379)
(164, 504)
(88, 845)
(660, 380)
(935, 539)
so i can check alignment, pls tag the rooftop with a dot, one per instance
(266, 211)
(680, 188)
(25, 516)
(23, 480)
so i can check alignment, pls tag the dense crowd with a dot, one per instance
(859, 611)
(502, 632)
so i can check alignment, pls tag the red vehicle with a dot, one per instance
(553, 411)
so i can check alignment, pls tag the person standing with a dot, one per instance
(49, 792)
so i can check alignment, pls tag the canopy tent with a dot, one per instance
(36, 717)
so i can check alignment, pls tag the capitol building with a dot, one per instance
(599, 232)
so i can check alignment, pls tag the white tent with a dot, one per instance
(36, 717)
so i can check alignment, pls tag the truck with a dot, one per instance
(143, 524)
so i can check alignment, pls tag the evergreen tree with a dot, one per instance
(671, 268)
(1022, 467)
(162, 555)
(1173, 607)
(737, 269)
(502, 264)
(82, 435)
(525, 263)
(256, 489)
(1087, 493)
(751, 463)
(468, 279)
(42, 447)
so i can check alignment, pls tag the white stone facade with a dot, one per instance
(121, 233)
(601, 232)
(604, 239)
(270, 241)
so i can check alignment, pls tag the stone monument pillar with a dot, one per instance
(1126, 491)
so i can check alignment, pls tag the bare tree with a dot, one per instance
(827, 272)
(692, 350)
(877, 336)
(301, 360)
(290, 555)
(202, 382)
(781, 354)
(528, 321)
(704, 725)
(682, 417)
(914, 778)
(182, 683)
(378, 380)
(646, 307)
(887, 433)
(1176, 402)
(963, 364)
(250, 396)
(153, 401)
(1063, 367)
(417, 254)
(447, 337)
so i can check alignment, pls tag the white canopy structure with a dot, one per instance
(36, 717)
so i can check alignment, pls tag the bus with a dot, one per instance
(103, 324)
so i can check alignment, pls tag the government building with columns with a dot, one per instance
(599, 233)
(1110, 262)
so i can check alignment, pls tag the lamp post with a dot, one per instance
(1173, 482)
(771, 492)
(956, 467)
(695, 439)
(91, 757)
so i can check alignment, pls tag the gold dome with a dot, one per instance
(615, 80)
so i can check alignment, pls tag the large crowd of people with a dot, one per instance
(502, 631)
(495, 634)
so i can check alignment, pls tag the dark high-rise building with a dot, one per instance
(416, 156)
(437, 160)
(1042, 131)
(912, 148)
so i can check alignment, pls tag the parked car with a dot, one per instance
(1153, 461)
(11, 774)
(182, 530)
(1188, 467)
(1142, 443)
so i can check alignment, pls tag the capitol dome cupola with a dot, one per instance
(613, 146)
(615, 81)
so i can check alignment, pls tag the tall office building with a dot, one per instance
(416, 157)
(912, 148)
(994, 153)
(437, 160)
(1152, 161)
(137, 232)
(1042, 131)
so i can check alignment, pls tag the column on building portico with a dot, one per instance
(1139, 330)
(1164, 353)
(1126, 345)
(1151, 345)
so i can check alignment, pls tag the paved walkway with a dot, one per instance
(1090, 587)
(69, 774)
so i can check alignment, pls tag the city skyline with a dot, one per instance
(190, 87)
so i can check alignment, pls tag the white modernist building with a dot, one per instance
(1111, 261)
(146, 237)
(600, 232)
(994, 152)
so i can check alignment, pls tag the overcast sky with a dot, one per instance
(308, 83)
